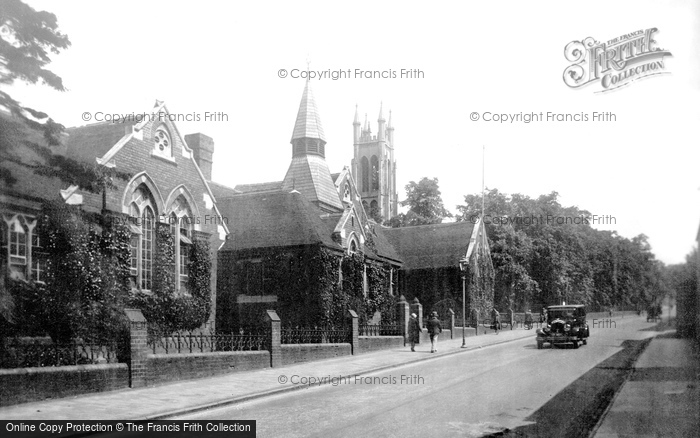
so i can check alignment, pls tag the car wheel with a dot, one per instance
(539, 345)
(584, 342)
(575, 344)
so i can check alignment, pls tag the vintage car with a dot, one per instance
(565, 324)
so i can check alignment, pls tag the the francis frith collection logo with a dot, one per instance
(615, 63)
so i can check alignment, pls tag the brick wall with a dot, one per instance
(173, 367)
(297, 353)
(21, 385)
(375, 343)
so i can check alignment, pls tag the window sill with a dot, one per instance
(163, 158)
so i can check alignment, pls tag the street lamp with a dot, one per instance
(464, 266)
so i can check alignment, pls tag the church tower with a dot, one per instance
(374, 166)
(308, 172)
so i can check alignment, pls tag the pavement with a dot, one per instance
(184, 397)
(661, 398)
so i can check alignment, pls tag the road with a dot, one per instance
(475, 393)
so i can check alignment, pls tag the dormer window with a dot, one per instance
(162, 143)
(346, 193)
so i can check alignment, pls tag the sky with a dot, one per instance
(482, 58)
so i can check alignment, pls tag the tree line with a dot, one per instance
(545, 253)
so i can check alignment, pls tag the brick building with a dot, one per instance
(276, 226)
(167, 184)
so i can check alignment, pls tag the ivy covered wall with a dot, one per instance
(308, 286)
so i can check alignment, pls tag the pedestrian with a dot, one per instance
(434, 329)
(495, 319)
(414, 331)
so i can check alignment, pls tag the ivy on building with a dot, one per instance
(314, 286)
(166, 310)
(86, 280)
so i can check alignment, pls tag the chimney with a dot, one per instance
(203, 148)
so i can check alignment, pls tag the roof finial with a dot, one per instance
(381, 112)
(308, 67)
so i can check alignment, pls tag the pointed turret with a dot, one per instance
(308, 172)
(356, 127)
(308, 123)
(381, 122)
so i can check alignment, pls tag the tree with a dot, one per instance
(26, 38)
(424, 202)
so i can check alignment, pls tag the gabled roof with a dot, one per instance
(384, 249)
(221, 191)
(273, 219)
(309, 175)
(431, 246)
(308, 123)
(85, 143)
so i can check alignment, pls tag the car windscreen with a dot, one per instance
(560, 314)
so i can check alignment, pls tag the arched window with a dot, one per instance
(364, 164)
(346, 193)
(20, 243)
(147, 225)
(181, 226)
(375, 173)
(374, 210)
(142, 222)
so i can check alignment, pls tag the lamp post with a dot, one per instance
(464, 266)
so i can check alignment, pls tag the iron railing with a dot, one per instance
(316, 335)
(28, 353)
(210, 342)
(380, 330)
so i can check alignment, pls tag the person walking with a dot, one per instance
(495, 319)
(414, 331)
(434, 329)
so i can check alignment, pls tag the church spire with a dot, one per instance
(308, 172)
(308, 123)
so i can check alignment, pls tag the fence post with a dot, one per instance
(475, 320)
(275, 339)
(138, 344)
(452, 323)
(355, 337)
(417, 308)
(403, 312)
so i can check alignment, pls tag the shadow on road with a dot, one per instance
(576, 409)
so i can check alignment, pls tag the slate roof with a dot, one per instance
(273, 219)
(19, 158)
(85, 143)
(221, 191)
(430, 246)
(259, 187)
(309, 175)
(308, 123)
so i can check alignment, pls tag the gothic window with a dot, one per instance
(364, 164)
(162, 142)
(375, 173)
(374, 210)
(181, 227)
(353, 246)
(135, 225)
(142, 223)
(18, 235)
(147, 224)
(346, 193)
